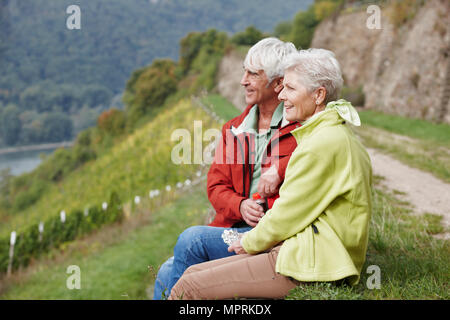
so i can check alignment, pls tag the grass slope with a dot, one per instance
(133, 167)
(415, 142)
(118, 269)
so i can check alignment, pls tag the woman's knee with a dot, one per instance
(180, 291)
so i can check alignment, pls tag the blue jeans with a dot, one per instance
(194, 245)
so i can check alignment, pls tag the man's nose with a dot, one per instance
(244, 79)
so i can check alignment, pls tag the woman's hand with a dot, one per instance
(269, 182)
(237, 247)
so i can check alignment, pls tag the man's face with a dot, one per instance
(257, 88)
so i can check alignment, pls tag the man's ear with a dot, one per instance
(278, 85)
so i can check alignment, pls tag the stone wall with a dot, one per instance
(404, 70)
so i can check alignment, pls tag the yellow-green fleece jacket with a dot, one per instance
(324, 207)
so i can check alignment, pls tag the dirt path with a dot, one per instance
(426, 193)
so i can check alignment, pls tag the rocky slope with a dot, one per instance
(403, 70)
(229, 76)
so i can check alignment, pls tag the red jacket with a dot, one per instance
(230, 174)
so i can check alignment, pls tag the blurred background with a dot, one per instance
(91, 91)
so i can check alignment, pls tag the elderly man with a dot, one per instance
(251, 157)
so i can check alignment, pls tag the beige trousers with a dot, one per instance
(239, 276)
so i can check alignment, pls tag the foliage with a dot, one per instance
(29, 245)
(133, 165)
(111, 121)
(148, 88)
(401, 11)
(283, 30)
(300, 30)
(303, 28)
(354, 95)
(57, 127)
(324, 8)
(248, 37)
(10, 125)
(47, 68)
(119, 262)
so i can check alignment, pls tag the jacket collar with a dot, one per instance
(322, 119)
(249, 113)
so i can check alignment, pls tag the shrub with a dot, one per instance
(112, 122)
(402, 11)
(249, 37)
(28, 245)
(354, 95)
(303, 28)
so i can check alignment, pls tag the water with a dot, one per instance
(22, 161)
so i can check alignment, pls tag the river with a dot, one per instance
(22, 161)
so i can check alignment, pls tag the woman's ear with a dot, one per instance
(320, 95)
(278, 82)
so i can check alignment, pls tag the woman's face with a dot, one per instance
(299, 103)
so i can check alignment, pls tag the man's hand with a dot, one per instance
(236, 247)
(269, 182)
(251, 212)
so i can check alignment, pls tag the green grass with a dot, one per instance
(413, 264)
(140, 163)
(415, 128)
(115, 262)
(417, 143)
(221, 106)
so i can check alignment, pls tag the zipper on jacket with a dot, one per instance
(243, 164)
(250, 172)
(316, 231)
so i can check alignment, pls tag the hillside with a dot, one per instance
(402, 68)
(138, 164)
(51, 74)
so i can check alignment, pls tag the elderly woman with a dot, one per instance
(318, 229)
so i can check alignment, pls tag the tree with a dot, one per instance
(249, 37)
(11, 126)
(283, 30)
(303, 28)
(57, 127)
(149, 87)
(112, 121)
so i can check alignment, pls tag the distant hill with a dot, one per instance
(45, 66)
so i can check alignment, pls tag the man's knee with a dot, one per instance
(187, 237)
(165, 268)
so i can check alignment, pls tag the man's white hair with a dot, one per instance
(268, 55)
(317, 68)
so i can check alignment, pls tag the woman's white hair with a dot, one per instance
(268, 55)
(317, 68)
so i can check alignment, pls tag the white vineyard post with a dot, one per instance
(12, 242)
